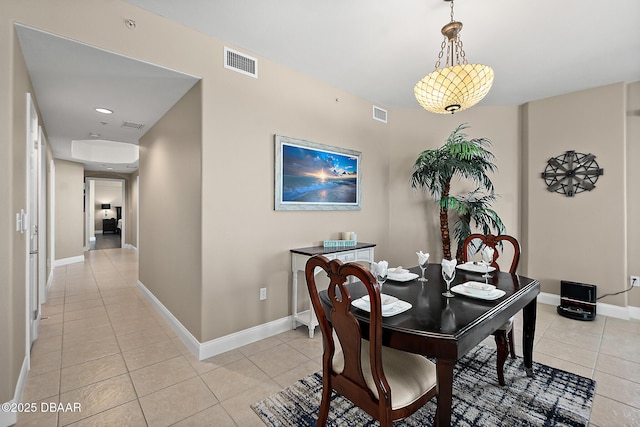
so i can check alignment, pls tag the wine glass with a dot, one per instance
(423, 262)
(448, 277)
(380, 273)
(487, 259)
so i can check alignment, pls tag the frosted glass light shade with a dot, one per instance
(451, 89)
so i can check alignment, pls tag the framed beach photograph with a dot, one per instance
(311, 176)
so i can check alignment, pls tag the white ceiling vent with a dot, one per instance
(237, 61)
(132, 125)
(379, 114)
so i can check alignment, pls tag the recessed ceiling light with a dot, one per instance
(109, 169)
(94, 135)
(104, 110)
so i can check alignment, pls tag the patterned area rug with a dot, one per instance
(551, 398)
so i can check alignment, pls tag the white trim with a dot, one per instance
(183, 333)
(241, 338)
(49, 280)
(219, 345)
(130, 246)
(603, 309)
(10, 418)
(65, 261)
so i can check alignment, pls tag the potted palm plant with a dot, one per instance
(464, 158)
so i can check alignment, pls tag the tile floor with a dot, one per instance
(102, 345)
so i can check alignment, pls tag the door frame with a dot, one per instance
(87, 202)
(32, 300)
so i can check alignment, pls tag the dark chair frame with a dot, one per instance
(504, 337)
(350, 382)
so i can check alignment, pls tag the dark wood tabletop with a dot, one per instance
(447, 328)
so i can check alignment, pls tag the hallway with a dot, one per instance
(103, 346)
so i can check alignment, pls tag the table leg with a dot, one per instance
(444, 372)
(294, 297)
(528, 332)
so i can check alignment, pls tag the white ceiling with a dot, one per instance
(71, 79)
(375, 49)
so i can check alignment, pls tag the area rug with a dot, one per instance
(551, 398)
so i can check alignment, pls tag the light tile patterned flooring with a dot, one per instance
(103, 345)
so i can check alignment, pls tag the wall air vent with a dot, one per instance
(379, 114)
(237, 61)
(132, 125)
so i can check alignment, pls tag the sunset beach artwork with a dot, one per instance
(318, 176)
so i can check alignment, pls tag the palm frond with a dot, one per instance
(468, 159)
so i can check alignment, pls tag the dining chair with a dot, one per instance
(504, 335)
(386, 383)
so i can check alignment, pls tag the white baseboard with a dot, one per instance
(603, 309)
(65, 261)
(10, 418)
(241, 338)
(219, 345)
(129, 246)
(187, 338)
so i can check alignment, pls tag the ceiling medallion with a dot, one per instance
(457, 86)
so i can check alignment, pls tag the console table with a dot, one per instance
(359, 252)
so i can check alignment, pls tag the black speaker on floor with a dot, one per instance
(577, 300)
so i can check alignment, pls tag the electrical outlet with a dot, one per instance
(263, 294)
(635, 280)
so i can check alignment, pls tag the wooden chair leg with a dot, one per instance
(512, 348)
(323, 413)
(503, 351)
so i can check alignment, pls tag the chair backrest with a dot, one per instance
(350, 381)
(496, 243)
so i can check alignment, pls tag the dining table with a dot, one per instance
(447, 328)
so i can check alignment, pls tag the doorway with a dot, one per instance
(105, 205)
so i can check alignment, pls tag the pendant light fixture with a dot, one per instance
(458, 85)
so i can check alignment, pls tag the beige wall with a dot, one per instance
(170, 248)
(131, 217)
(414, 222)
(246, 243)
(14, 84)
(633, 187)
(69, 217)
(581, 238)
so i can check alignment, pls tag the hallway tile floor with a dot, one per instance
(103, 346)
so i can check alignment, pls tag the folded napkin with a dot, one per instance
(487, 254)
(449, 266)
(380, 266)
(422, 258)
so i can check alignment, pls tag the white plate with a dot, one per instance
(479, 288)
(402, 277)
(462, 290)
(475, 268)
(389, 310)
(384, 299)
